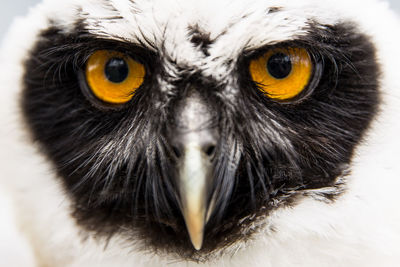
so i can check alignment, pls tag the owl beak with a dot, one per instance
(195, 140)
(193, 192)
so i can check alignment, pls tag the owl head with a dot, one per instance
(191, 128)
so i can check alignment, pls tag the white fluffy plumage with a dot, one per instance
(361, 228)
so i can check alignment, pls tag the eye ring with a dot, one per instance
(113, 77)
(282, 73)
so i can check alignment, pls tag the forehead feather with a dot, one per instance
(249, 23)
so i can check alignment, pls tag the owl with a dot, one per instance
(203, 133)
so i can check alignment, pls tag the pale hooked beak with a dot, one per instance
(195, 140)
(193, 192)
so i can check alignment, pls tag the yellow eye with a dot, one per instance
(282, 73)
(113, 77)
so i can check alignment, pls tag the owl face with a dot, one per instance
(185, 125)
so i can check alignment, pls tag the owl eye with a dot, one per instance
(113, 77)
(282, 73)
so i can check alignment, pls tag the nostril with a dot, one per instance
(177, 152)
(209, 150)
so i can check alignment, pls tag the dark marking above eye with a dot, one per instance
(200, 39)
(279, 66)
(116, 70)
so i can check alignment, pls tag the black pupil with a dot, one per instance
(279, 65)
(116, 70)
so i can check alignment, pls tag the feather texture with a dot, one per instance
(307, 183)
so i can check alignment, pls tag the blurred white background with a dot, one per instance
(9, 255)
(11, 8)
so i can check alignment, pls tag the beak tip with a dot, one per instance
(197, 244)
